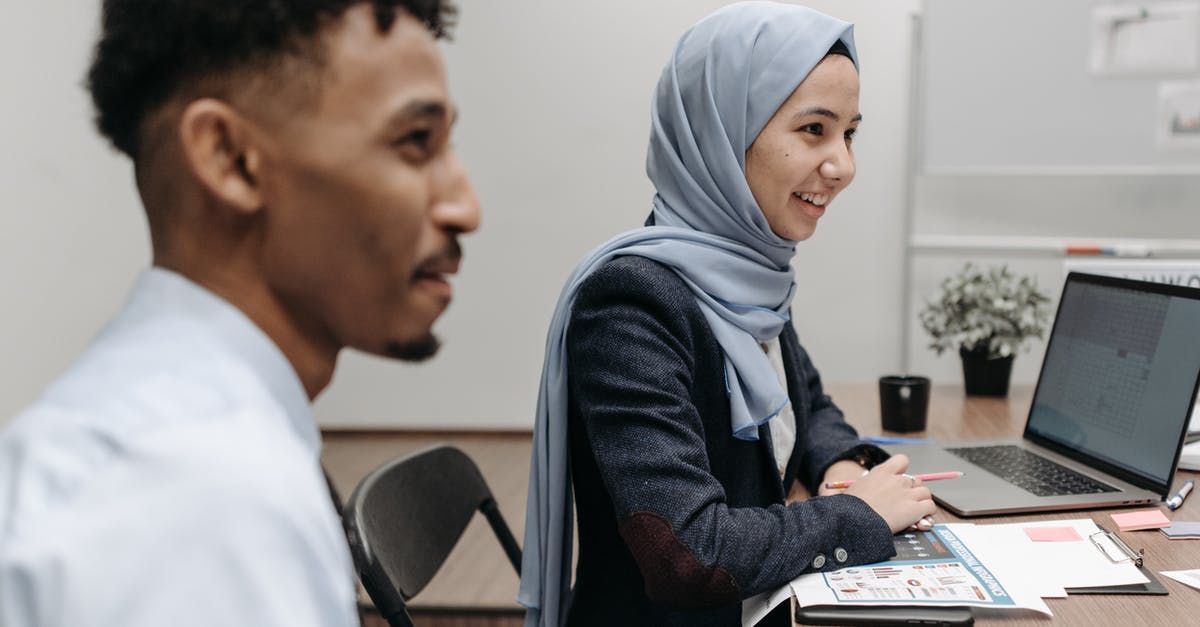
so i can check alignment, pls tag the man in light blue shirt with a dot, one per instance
(302, 196)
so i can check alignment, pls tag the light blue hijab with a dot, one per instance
(727, 77)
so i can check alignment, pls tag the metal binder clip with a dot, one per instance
(1127, 554)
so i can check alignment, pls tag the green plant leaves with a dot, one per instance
(990, 309)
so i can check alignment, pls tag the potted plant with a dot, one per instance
(988, 315)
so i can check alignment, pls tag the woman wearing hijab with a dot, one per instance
(675, 395)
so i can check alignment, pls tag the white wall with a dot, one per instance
(72, 235)
(554, 101)
(1024, 141)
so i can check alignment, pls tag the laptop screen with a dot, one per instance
(1120, 373)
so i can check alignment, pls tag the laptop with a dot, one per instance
(1108, 416)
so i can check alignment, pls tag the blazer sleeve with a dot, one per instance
(631, 345)
(825, 437)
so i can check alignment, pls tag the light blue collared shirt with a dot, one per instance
(171, 477)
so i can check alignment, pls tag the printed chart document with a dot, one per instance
(930, 568)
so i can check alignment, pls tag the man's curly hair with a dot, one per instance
(150, 50)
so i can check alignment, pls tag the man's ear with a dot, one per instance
(218, 144)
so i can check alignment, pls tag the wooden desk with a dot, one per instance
(955, 417)
(477, 577)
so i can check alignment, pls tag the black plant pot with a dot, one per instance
(983, 376)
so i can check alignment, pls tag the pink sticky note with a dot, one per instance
(1053, 534)
(1141, 519)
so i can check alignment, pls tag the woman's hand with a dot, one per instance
(899, 498)
(845, 470)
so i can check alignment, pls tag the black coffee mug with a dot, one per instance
(903, 402)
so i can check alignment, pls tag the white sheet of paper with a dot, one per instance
(1050, 565)
(1009, 560)
(758, 606)
(1189, 577)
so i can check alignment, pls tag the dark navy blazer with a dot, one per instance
(678, 520)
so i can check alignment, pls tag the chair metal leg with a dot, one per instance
(503, 533)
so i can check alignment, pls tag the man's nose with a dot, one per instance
(456, 207)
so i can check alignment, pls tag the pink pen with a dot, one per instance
(932, 476)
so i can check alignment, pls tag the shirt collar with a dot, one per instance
(162, 292)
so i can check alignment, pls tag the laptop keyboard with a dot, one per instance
(1030, 471)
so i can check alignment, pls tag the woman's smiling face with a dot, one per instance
(802, 158)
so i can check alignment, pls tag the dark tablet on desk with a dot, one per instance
(891, 615)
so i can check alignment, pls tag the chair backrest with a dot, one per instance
(405, 517)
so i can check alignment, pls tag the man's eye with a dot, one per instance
(417, 145)
(418, 138)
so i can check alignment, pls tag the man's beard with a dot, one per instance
(415, 350)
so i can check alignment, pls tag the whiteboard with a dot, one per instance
(1009, 85)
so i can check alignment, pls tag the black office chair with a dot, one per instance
(405, 517)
